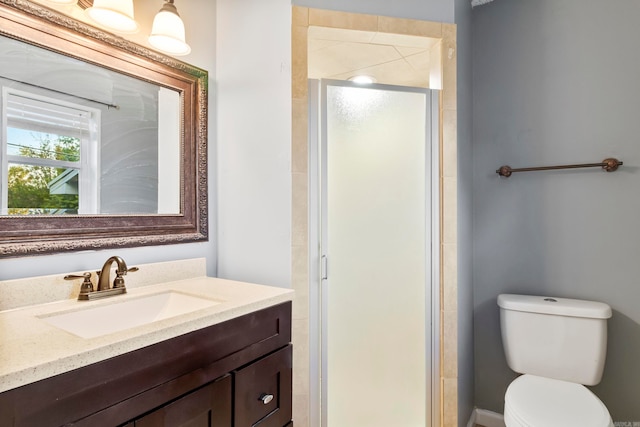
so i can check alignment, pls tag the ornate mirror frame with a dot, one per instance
(34, 235)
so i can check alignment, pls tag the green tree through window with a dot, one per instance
(28, 185)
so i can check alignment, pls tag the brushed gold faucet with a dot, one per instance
(103, 287)
(103, 275)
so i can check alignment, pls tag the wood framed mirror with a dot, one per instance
(108, 75)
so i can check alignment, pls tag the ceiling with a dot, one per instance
(389, 58)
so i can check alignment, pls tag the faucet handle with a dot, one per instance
(85, 275)
(118, 282)
(123, 272)
(86, 286)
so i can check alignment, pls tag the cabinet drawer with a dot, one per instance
(209, 406)
(263, 391)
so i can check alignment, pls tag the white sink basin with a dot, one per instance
(91, 322)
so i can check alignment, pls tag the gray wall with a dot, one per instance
(201, 35)
(554, 82)
(465, 179)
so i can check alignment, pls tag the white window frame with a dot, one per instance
(88, 167)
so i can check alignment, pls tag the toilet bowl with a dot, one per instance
(559, 345)
(532, 401)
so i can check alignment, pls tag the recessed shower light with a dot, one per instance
(362, 79)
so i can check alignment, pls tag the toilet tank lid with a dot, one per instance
(556, 306)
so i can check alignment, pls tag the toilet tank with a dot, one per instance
(558, 338)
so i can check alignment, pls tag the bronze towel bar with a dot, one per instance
(608, 165)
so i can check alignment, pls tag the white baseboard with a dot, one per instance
(486, 418)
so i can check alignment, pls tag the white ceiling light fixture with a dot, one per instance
(362, 79)
(115, 15)
(167, 33)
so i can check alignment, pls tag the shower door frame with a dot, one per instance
(318, 234)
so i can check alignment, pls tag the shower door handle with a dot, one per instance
(323, 267)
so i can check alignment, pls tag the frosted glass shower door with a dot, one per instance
(377, 229)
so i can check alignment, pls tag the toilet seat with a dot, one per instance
(533, 401)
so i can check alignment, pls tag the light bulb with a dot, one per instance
(362, 79)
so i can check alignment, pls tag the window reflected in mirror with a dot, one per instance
(51, 154)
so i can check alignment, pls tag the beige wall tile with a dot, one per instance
(299, 16)
(449, 67)
(449, 98)
(300, 209)
(449, 211)
(299, 83)
(300, 410)
(349, 21)
(449, 32)
(299, 136)
(449, 277)
(449, 80)
(300, 330)
(409, 26)
(450, 344)
(449, 143)
(299, 278)
(450, 407)
(340, 35)
(299, 222)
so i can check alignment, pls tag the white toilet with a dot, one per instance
(558, 344)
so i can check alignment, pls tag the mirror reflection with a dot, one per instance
(77, 138)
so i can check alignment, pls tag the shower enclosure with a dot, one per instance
(374, 254)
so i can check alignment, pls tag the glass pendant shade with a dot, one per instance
(116, 15)
(167, 33)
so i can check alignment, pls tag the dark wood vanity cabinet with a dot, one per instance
(234, 374)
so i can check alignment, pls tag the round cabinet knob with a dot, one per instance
(266, 398)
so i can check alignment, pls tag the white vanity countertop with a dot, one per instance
(31, 349)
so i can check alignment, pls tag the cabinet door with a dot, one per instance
(263, 391)
(209, 406)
